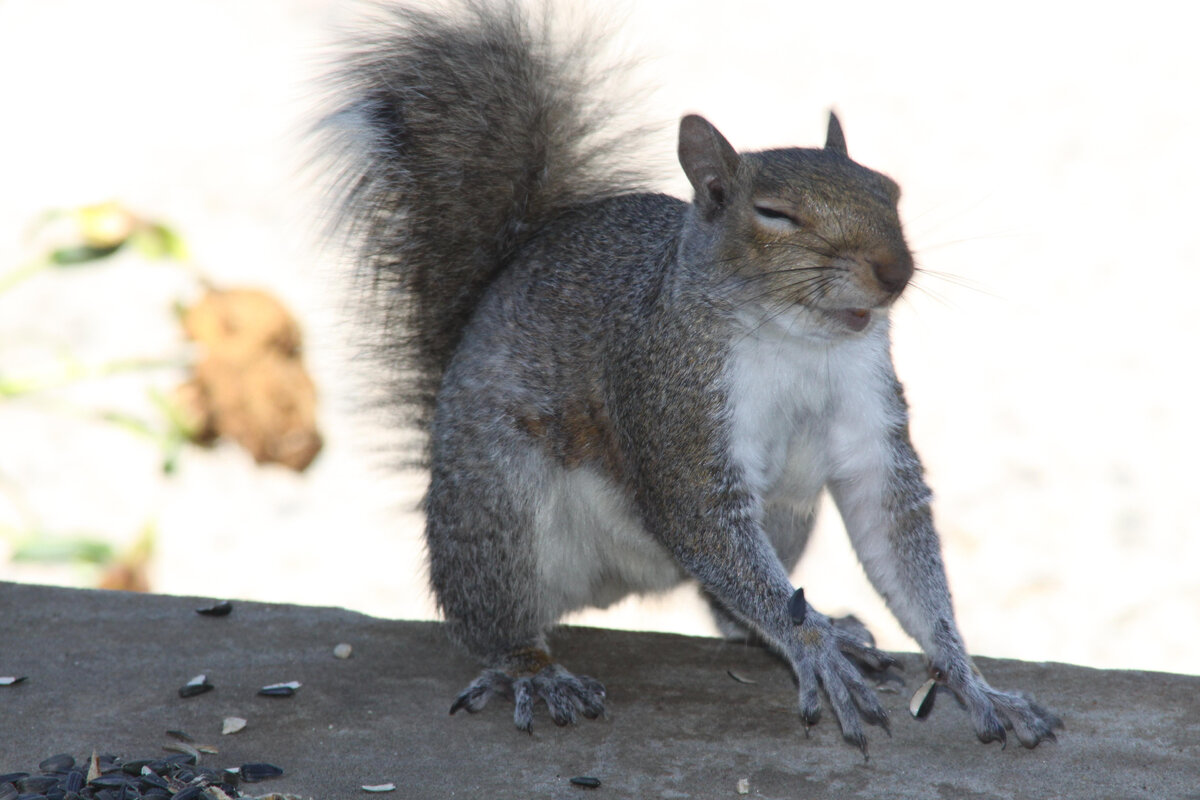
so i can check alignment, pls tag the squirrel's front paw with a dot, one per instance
(566, 695)
(994, 712)
(823, 664)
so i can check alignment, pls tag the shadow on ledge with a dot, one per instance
(104, 669)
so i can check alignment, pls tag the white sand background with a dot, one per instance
(1047, 154)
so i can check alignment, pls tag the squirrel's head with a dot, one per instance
(803, 227)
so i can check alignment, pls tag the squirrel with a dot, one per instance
(620, 390)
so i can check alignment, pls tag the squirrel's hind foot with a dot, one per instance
(565, 695)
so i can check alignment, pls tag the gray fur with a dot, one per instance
(623, 390)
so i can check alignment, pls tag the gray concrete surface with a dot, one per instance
(104, 669)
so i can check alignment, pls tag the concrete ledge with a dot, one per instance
(104, 669)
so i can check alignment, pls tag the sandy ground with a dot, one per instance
(1048, 347)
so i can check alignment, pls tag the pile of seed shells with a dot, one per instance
(107, 777)
(178, 776)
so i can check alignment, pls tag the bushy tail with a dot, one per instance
(457, 136)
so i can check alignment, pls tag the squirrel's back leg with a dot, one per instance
(481, 539)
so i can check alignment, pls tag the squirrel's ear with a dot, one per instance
(709, 161)
(835, 140)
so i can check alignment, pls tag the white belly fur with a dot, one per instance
(591, 548)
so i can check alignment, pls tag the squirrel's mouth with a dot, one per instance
(856, 319)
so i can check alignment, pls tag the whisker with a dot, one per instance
(925, 248)
(959, 210)
(938, 297)
(738, 279)
(957, 280)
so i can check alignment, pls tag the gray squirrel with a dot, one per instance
(621, 390)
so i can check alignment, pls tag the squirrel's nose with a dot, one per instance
(892, 270)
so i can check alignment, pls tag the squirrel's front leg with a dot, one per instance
(720, 541)
(883, 499)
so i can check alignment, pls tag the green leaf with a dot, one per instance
(43, 548)
(157, 241)
(75, 255)
(128, 422)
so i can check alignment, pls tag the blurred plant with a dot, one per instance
(82, 237)
(96, 232)
(248, 382)
(124, 569)
(86, 236)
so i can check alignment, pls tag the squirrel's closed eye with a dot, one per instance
(776, 218)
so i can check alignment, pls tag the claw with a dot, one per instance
(1052, 720)
(523, 705)
(459, 703)
(562, 709)
(869, 707)
(993, 733)
(878, 717)
(810, 702)
(592, 698)
(475, 696)
(859, 740)
(1032, 724)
